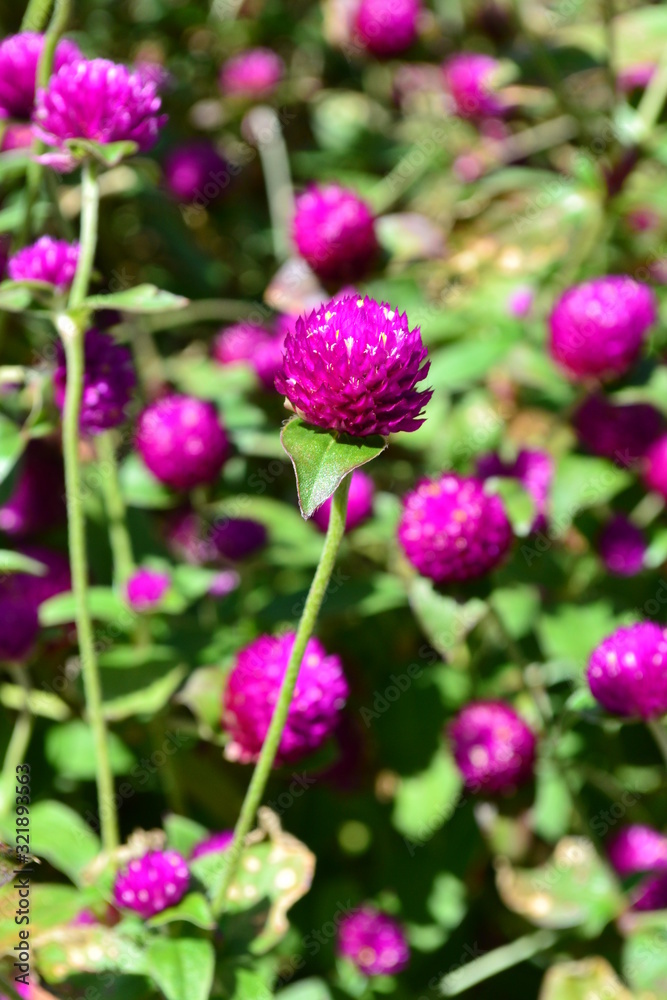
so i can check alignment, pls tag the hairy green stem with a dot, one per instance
(71, 328)
(36, 15)
(498, 960)
(659, 734)
(316, 595)
(18, 742)
(119, 536)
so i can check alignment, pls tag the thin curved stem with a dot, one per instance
(36, 15)
(18, 742)
(72, 330)
(316, 595)
(119, 536)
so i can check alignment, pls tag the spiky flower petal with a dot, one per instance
(19, 59)
(49, 260)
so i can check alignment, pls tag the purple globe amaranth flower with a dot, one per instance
(182, 441)
(194, 169)
(622, 547)
(252, 74)
(146, 588)
(16, 136)
(101, 101)
(19, 59)
(188, 537)
(108, 381)
(20, 597)
(655, 466)
(452, 530)
(49, 260)
(359, 503)
(252, 344)
(353, 366)
(152, 883)
(533, 469)
(252, 689)
(237, 538)
(37, 500)
(520, 302)
(213, 843)
(627, 672)
(623, 433)
(334, 231)
(638, 848)
(469, 80)
(598, 327)
(493, 747)
(387, 27)
(373, 941)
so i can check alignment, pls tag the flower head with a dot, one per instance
(374, 941)
(533, 469)
(212, 844)
(152, 883)
(387, 27)
(251, 693)
(188, 537)
(182, 441)
(20, 597)
(598, 327)
(49, 260)
(146, 588)
(253, 344)
(334, 231)
(469, 80)
(452, 530)
(108, 381)
(253, 74)
(622, 547)
(359, 503)
(627, 672)
(36, 502)
(493, 747)
(194, 169)
(636, 849)
(19, 59)
(655, 466)
(353, 366)
(623, 433)
(236, 538)
(98, 100)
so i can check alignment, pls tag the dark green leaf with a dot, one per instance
(104, 603)
(182, 967)
(140, 299)
(424, 802)
(70, 750)
(322, 459)
(58, 834)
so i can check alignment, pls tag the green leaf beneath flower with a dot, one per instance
(109, 154)
(193, 909)
(182, 967)
(140, 299)
(322, 459)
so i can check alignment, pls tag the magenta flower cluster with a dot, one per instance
(637, 850)
(493, 747)
(190, 167)
(254, 74)
(252, 690)
(334, 231)
(354, 365)
(182, 441)
(152, 883)
(452, 530)
(108, 382)
(468, 79)
(146, 588)
(627, 672)
(19, 59)
(252, 344)
(48, 260)
(36, 502)
(533, 469)
(387, 27)
(375, 942)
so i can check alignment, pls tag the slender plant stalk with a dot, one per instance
(36, 15)
(268, 134)
(316, 594)
(659, 734)
(498, 960)
(654, 97)
(72, 328)
(18, 742)
(119, 536)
